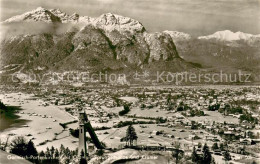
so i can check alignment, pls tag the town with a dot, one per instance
(225, 119)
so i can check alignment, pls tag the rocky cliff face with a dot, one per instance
(161, 47)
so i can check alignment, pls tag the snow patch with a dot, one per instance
(178, 36)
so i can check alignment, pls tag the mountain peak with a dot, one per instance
(39, 14)
(107, 21)
(64, 17)
(110, 22)
(40, 9)
(178, 36)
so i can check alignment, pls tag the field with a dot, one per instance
(217, 117)
(43, 122)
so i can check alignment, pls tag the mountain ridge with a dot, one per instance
(124, 23)
(109, 42)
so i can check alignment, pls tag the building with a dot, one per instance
(85, 126)
(82, 134)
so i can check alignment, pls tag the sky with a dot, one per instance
(196, 17)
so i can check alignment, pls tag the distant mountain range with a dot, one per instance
(50, 40)
(230, 36)
(222, 49)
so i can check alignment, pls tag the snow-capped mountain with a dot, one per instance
(64, 17)
(178, 36)
(110, 22)
(80, 42)
(107, 22)
(228, 35)
(114, 42)
(49, 16)
(39, 14)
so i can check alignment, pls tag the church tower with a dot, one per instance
(82, 134)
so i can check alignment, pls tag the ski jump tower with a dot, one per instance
(85, 126)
